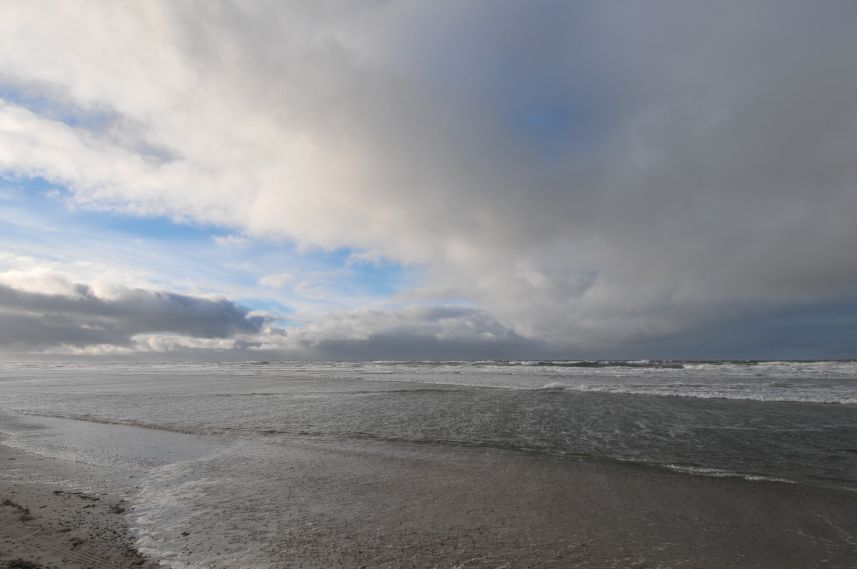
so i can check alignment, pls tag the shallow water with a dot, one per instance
(785, 420)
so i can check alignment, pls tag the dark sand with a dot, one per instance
(50, 526)
(370, 505)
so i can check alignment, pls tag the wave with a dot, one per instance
(747, 392)
(823, 398)
(717, 473)
(291, 436)
(608, 364)
(169, 428)
(558, 453)
(553, 386)
(666, 364)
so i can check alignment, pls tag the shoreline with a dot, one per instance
(51, 526)
(546, 453)
(370, 504)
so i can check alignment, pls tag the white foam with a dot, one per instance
(716, 473)
(167, 505)
(219, 512)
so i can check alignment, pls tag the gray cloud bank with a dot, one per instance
(39, 321)
(411, 333)
(144, 323)
(137, 321)
(593, 175)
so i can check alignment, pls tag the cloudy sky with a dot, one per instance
(482, 179)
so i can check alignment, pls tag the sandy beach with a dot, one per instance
(50, 526)
(386, 505)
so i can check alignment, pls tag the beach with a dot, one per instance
(428, 285)
(55, 525)
(382, 505)
(305, 466)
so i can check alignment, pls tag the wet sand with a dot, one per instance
(372, 507)
(51, 526)
(398, 506)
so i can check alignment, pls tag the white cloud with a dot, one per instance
(60, 277)
(88, 350)
(231, 240)
(277, 280)
(173, 343)
(700, 158)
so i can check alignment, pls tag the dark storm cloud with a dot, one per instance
(30, 320)
(414, 332)
(817, 331)
(392, 346)
(718, 170)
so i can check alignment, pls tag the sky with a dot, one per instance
(428, 180)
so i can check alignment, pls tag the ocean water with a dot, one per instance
(216, 444)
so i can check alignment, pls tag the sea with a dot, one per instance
(190, 433)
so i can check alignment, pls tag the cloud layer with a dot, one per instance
(589, 176)
(33, 320)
